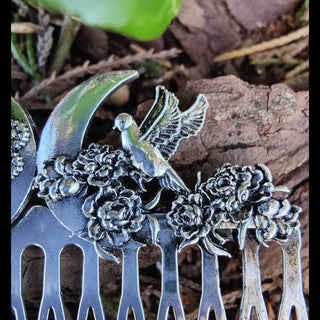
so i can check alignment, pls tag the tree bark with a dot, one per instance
(206, 28)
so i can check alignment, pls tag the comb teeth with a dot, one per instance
(52, 237)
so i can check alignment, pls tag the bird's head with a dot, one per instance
(122, 121)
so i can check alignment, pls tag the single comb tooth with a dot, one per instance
(90, 294)
(16, 276)
(252, 292)
(211, 293)
(130, 295)
(51, 298)
(170, 294)
(292, 279)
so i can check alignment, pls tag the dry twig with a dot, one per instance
(66, 80)
(26, 27)
(266, 45)
(298, 69)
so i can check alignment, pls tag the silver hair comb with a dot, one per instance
(95, 200)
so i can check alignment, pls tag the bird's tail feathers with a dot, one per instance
(172, 181)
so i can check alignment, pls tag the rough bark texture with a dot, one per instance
(245, 125)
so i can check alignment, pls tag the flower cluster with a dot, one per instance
(20, 135)
(233, 194)
(113, 210)
(114, 213)
(95, 166)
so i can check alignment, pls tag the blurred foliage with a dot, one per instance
(139, 19)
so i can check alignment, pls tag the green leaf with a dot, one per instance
(18, 55)
(140, 19)
(27, 64)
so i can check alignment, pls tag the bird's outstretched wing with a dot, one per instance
(165, 125)
(164, 108)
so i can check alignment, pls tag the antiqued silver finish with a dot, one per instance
(211, 293)
(94, 197)
(252, 292)
(292, 279)
(67, 125)
(23, 158)
(20, 135)
(42, 229)
(153, 143)
(170, 295)
(130, 296)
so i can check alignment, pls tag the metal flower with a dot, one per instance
(276, 219)
(233, 189)
(100, 163)
(187, 218)
(114, 212)
(57, 181)
(193, 222)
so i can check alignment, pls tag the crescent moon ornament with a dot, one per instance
(65, 130)
(64, 133)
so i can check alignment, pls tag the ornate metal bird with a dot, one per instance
(153, 143)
